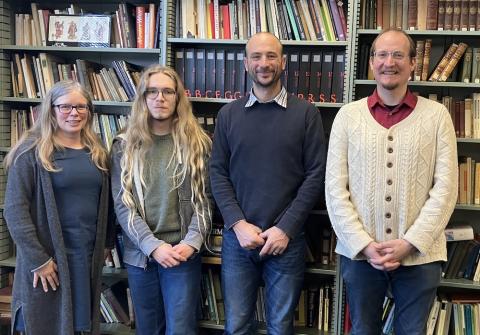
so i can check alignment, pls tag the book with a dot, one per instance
(459, 232)
(455, 58)
(443, 62)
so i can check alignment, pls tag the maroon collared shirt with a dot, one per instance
(386, 116)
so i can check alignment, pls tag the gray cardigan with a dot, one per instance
(32, 218)
(140, 244)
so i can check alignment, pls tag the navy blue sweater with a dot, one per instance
(268, 163)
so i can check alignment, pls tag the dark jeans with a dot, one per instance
(242, 274)
(413, 288)
(165, 300)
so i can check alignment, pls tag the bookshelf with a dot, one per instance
(360, 87)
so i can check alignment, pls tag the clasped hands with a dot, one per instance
(274, 240)
(169, 256)
(387, 256)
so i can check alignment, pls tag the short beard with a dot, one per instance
(390, 87)
(271, 83)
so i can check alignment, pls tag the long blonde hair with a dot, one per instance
(42, 133)
(191, 149)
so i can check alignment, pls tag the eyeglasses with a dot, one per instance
(383, 55)
(67, 108)
(152, 93)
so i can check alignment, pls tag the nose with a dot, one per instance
(389, 60)
(74, 108)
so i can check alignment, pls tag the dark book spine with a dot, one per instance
(315, 76)
(327, 68)
(200, 73)
(220, 74)
(189, 72)
(180, 63)
(304, 75)
(338, 77)
(239, 76)
(210, 74)
(229, 74)
(293, 68)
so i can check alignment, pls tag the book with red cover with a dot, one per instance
(225, 21)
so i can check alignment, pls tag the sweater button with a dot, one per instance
(389, 164)
(388, 198)
(389, 182)
(388, 215)
(388, 230)
(390, 138)
(389, 150)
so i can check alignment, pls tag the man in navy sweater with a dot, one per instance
(267, 172)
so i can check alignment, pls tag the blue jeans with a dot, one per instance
(242, 274)
(413, 288)
(165, 300)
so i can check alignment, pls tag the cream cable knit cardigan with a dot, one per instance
(383, 184)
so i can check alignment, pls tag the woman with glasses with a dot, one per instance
(56, 208)
(160, 189)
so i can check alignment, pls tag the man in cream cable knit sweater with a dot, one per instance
(391, 186)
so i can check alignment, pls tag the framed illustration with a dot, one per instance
(79, 30)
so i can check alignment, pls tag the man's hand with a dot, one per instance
(184, 249)
(276, 241)
(394, 251)
(47, 275)
(167, 257)
(248, 235)
(375, 256)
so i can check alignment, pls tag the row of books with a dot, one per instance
(455, 314)
(132, 26)
(461, 15)
(219, 73)
(456, 54)
(32, 76)
(463, 257)
(468, 181)
(465, 114)
(322, 20)
(116, 304)
(315, 307)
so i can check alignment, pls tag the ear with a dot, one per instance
(284, 62)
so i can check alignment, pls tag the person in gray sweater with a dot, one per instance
(161, 194)
(56, 209)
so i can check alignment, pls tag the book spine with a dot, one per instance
(426, 59)
(457, 55)
(443, 62)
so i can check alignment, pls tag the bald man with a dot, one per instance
(267, 172)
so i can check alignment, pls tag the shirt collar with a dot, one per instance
(409, 99)
(280, 99)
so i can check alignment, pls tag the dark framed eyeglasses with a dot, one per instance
(67, 108)
(167, 93)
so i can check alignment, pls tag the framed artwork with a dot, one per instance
(79, 30)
